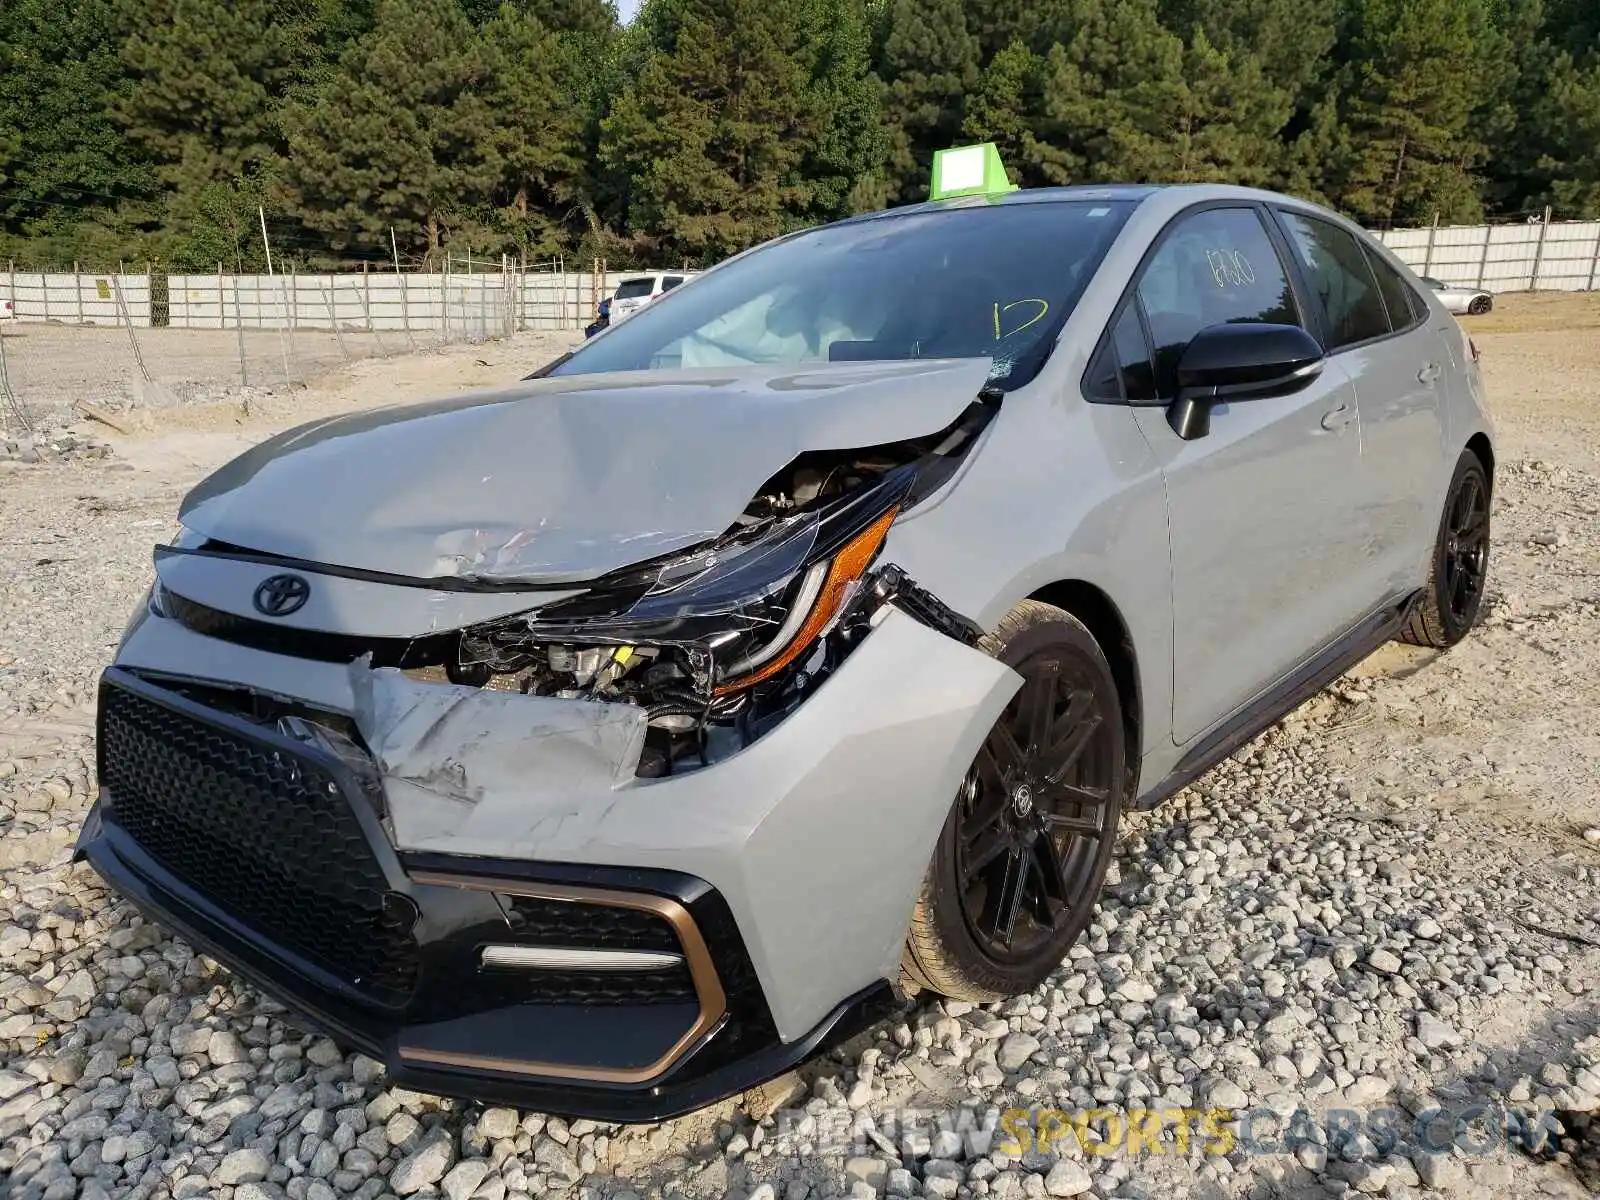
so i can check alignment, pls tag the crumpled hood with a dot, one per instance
(564, 478)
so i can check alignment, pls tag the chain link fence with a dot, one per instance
(99, 342)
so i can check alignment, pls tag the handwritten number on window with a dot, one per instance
(1230, 268)
(1029, 312)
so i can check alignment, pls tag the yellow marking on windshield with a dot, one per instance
(1044, 307)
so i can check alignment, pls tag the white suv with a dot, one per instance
(638, 290)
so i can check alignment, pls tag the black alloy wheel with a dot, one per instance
(1025, 848)
(1466, 558)
(1458, 574)
(1034, 808)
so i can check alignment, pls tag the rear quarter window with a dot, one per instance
(1406, 308)
(631, 289)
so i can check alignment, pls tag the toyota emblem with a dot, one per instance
(281, 595)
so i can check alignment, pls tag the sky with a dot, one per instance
(627, 10)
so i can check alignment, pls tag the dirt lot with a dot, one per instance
(1387, 903)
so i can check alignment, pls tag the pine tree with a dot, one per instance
(1560, 140)
(538, 126)
(845, 166)
(1289, 40)
(712, 133)
(401, 135)
(930, 63)
(1417, 72)
(1108, 92)
(1003, 108)
(595, 18)
(65, 160)
(210, 77)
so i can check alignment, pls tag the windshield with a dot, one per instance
(982, 282)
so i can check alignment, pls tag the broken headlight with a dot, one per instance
(739, 610)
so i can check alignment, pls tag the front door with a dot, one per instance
(1262, 511)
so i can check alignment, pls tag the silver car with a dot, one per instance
(1462, 301)
(614, 741)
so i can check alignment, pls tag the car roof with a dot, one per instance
(1170, 196)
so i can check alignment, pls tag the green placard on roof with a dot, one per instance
(969, 171)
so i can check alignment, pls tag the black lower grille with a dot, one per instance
(265, 835)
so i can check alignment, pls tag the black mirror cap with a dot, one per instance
(1237, 361)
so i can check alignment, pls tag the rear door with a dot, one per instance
(1377, 331)
(1261, 509)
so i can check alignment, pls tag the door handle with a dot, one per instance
(1429, 373)
(1337, 418)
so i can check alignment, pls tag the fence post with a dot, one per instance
(122, 307)
(222, 303)
(1433, 232)
(333, 319)
(1483, 259)
(1538, 251)
(444, 297)
(16, 309)
(238, 325)
(366, 307)
(44, 293)
(1594, 266)
(77, 290)
(5, 387)
(283, 344)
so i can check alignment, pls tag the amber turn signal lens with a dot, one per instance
(848, 566)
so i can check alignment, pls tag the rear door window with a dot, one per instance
(1214, 267)
(1342, 279)
(670, 282)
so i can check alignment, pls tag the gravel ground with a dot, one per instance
(1386, 906)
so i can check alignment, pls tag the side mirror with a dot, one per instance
(1226, 363)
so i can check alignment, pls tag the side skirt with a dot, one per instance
(1293, 690)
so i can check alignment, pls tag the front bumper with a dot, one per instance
(267, 852)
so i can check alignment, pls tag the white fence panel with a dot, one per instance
(1561, 256)
(199, 302)
(86, 298)
(1571, 257)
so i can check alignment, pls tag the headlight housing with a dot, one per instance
(742, 609)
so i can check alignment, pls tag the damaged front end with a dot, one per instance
(718, 644)
(562, 848)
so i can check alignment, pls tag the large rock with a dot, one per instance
(242, 1166)
(1016, 1050)
(1067, 1178)
(423, 1166)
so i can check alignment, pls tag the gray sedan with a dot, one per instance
(1463, 301)
(614, 741)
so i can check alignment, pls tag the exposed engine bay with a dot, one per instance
(719, 643)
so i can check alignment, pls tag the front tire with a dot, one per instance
(1022, 855)
(1453, 594)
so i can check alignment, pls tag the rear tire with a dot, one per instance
(1479, 306)
(1018, 866)
(1453, 595)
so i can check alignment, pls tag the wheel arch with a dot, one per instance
(1480, 445)
(1100, 615)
